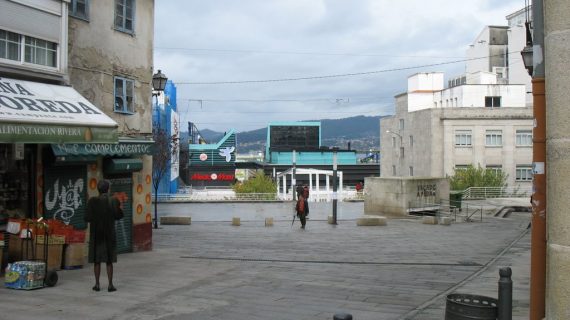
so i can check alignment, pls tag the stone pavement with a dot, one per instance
(212, 270)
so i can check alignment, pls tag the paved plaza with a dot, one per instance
(213, 270)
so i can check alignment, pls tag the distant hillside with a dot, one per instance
(362, 132)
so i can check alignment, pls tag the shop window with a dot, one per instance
(124, 89)
(79, 9)
(125, 15)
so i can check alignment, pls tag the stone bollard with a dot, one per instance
(330, 219)
(342, 316)
(166, 220)
(367, 220)
(269, 222)
(445, 221)
(236, 221)
(505, 304)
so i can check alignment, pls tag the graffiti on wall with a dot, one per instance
(426, 190)
(65, 199)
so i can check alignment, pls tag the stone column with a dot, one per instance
(557, 78)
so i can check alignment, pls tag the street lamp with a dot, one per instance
(335, 195)
(158, 82)
(526, 52)
(395, 133)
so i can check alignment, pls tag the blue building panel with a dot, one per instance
(222, 153)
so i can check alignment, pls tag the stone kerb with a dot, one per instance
(368, 220)
(170, 220)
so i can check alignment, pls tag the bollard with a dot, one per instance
(505, 304)
(342, 316)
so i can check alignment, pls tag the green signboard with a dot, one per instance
(52, 133)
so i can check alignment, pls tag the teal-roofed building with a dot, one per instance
(305, 139)
(213, 164)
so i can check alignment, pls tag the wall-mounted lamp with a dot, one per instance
(158, 82)
(527, 54)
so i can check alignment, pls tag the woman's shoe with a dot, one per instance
(112, 289)
(96, 288)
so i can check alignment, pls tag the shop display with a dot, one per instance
(14, 189)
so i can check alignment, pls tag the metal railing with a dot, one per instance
(217, 196)
(497, 192)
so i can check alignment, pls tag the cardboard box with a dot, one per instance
(74, 255)
(55, 255)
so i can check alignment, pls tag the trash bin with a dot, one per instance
(461, 306)
(455, 198)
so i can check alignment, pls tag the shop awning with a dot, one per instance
(33, 112)
(114, 166)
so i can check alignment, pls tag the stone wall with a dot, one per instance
(393, 196)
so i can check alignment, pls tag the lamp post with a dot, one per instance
(158, 84)
(401, 144)
(335, 196)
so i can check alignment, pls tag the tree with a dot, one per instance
(477, 177)
(165, 149)
(259, 183)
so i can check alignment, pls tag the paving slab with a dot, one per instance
(211, 270)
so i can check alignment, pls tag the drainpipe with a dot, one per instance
(538, 234)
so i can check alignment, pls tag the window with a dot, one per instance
(40, 52)
(496, 169)
(393, 170)
(456, 104)
(524, 138)
(401, 152)
(411, 171)
(27, 49)
(125, 15)
(463, 138)
(492, 102)
(393, 142)
(459, 167)
(494, 138)
(401, 124)
(9, 45)
(524, 173)
(124, 89)
(79, 9)
(411, 141)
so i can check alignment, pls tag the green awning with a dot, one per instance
(34, 112)
(113, 166)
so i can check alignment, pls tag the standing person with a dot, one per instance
(102, 211)
(306, 196)
(300, 207)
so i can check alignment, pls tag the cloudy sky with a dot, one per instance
(241, 64)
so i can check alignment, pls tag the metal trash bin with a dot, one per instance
(455, 198)
(461, 306)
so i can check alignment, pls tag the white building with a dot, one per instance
(478, 122)
(481, 118)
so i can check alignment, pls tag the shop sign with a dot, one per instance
(101, 148)
(39, 112)
(212, 177)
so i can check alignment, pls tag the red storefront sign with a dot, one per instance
(212, 177)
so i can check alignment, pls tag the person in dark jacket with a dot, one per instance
(102, 211)
(300, 207)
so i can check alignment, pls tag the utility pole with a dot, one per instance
(538, 199)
